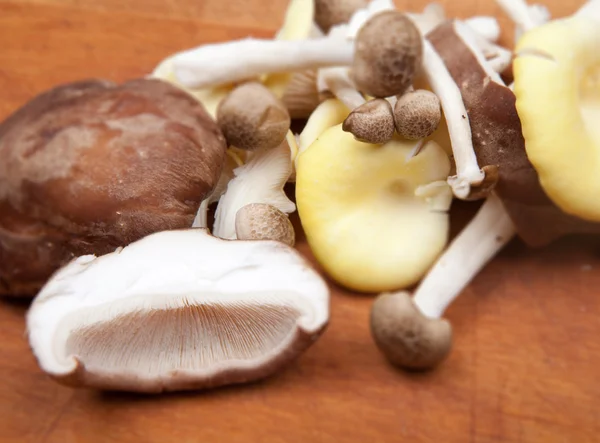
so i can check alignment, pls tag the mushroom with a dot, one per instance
(556, 88)
(232, 161)
(417, 114)
(359, 209)
(252, 118)
(372, 122)
(301, 95)
(90, 166)
(329, 13)
(239, 60)
(410, 331)
(260, 180)
(498, 141)
(468, 172)
(260, 221)
(177, 310)
(208, 97)
(297, 90)
(330, 112)
(388, 52)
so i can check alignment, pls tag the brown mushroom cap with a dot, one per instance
(388, 53)
(252, 118)
(261, 221)
(372, 122)
(329, 13)
(498, 141)
(405, 336)
(91, 166)
(417, 114)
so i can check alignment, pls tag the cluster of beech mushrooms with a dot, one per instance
(403, 113)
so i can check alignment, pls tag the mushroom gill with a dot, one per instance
(159, 341)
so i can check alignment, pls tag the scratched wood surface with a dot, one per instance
(526, 358)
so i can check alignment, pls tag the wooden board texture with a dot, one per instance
(526, 357)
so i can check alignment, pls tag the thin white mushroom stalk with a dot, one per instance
(468, 172)
(525, 16)
(485, 26)
(234, 61)
(337, 81)
(410, 331)
(487, 233)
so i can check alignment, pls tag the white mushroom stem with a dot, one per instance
(338, 82)
(489, 231)
(468, 171)
(229, 62)
(525, 17)
(486, 27)
(495, 56)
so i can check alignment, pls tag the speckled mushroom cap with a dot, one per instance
(91, 166)
(388, 53)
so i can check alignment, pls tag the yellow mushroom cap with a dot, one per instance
(558, 100)
(361, 215)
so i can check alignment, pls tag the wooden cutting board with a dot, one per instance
(526, 357)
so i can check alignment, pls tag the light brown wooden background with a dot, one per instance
(525, 366)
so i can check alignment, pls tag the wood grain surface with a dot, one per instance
(526, 358)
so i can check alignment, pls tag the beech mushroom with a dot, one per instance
(90, 166)
(372, 122)
(410, 331)
(239, 60)
(260, 180)
(252, 118)
(417, 114)
(260, 221)
(388, 53)
(177, 310)
(329, 13)
(468, 172)
(362, 218)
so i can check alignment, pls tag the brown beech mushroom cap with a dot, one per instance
(406, 336)
(261, 221)
(252, 118)
(90, 166)
(388, 53)
(177, 310)
(498, 140)
(417, 114)
(372, 122)
(329, 13)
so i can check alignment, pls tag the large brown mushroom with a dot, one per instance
(91, 166)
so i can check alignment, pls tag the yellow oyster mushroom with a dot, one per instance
(363, 209)
(557, 86)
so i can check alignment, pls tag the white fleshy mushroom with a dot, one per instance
(177, 310)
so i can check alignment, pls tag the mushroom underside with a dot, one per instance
(198, 342)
